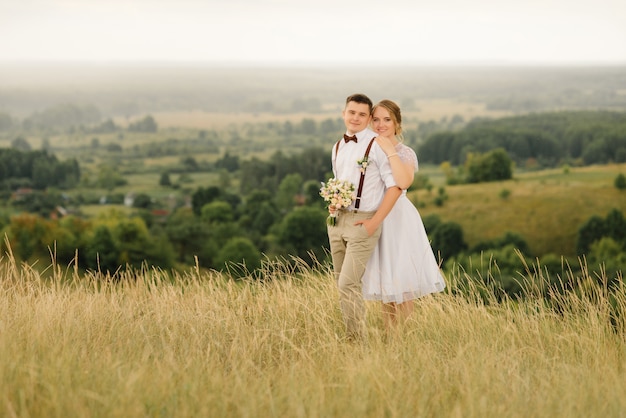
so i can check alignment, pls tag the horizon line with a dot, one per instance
(314, 63)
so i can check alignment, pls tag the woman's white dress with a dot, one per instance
(402, 266)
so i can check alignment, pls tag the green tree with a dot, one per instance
(39, 202)
(165, 179)
(238, 256)
(81, 231)
(509, 238)
(160, 252)
(133, 242)
(260, 211)
(266, 216)
(493, 166)
(254, 201)
(596, 152)
(228, 162)
(220, 233)
(288, 189)
(202, 196)
(29, 236)
(189, 164)
(217, 212)
(67, 116)
(447, 239)
(620, 181)
(102, 253)
(328, 126)
(109, 178)
(147, 124)
(308, 126)
(67, 174)
(303, 233)
(187, 234)
(431, 222)
(107, 126)
(589, 232)
(607, 256)
(224, 179)
(114, 148)
(138, 247)
(311, 191)
(142, 201)
(616, 226)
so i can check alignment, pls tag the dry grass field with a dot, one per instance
(201, 345)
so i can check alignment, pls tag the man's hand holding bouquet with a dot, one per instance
(339, 195)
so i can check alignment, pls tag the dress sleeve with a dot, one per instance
(407, 155)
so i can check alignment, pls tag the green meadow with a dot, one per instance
(546, 207)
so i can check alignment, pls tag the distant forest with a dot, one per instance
(543, 139)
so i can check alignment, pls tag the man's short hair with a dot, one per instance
(360, 98)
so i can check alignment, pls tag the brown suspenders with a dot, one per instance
(357, 202)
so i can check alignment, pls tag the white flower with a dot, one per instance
(363, 163)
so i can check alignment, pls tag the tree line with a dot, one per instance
(222, 231)
(68, 117)
(36, 169)
(536, 140)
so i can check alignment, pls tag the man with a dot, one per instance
(357, 228)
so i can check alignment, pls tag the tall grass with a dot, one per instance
(144, 343)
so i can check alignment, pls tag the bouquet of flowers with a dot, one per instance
(339, 194)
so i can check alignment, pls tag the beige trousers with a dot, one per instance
(351, 248)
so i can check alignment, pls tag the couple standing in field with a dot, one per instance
(379, 246)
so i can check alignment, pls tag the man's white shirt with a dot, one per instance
(378, 175)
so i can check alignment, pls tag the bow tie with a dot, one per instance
(349, 138)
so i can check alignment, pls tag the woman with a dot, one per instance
(403, 266)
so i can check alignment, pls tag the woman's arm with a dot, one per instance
(402, 173)
(391, 196)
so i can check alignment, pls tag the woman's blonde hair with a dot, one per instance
(394, 112)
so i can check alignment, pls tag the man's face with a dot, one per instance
(356, 116)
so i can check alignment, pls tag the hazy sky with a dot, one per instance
(295, 31)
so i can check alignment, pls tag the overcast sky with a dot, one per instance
(317, 31)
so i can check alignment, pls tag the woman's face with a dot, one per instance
(382, 123)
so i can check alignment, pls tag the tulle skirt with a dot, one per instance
(402, 266)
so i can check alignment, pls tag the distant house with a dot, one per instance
(20, 193)
(160, 215)
(58, 212)
(129, 199)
